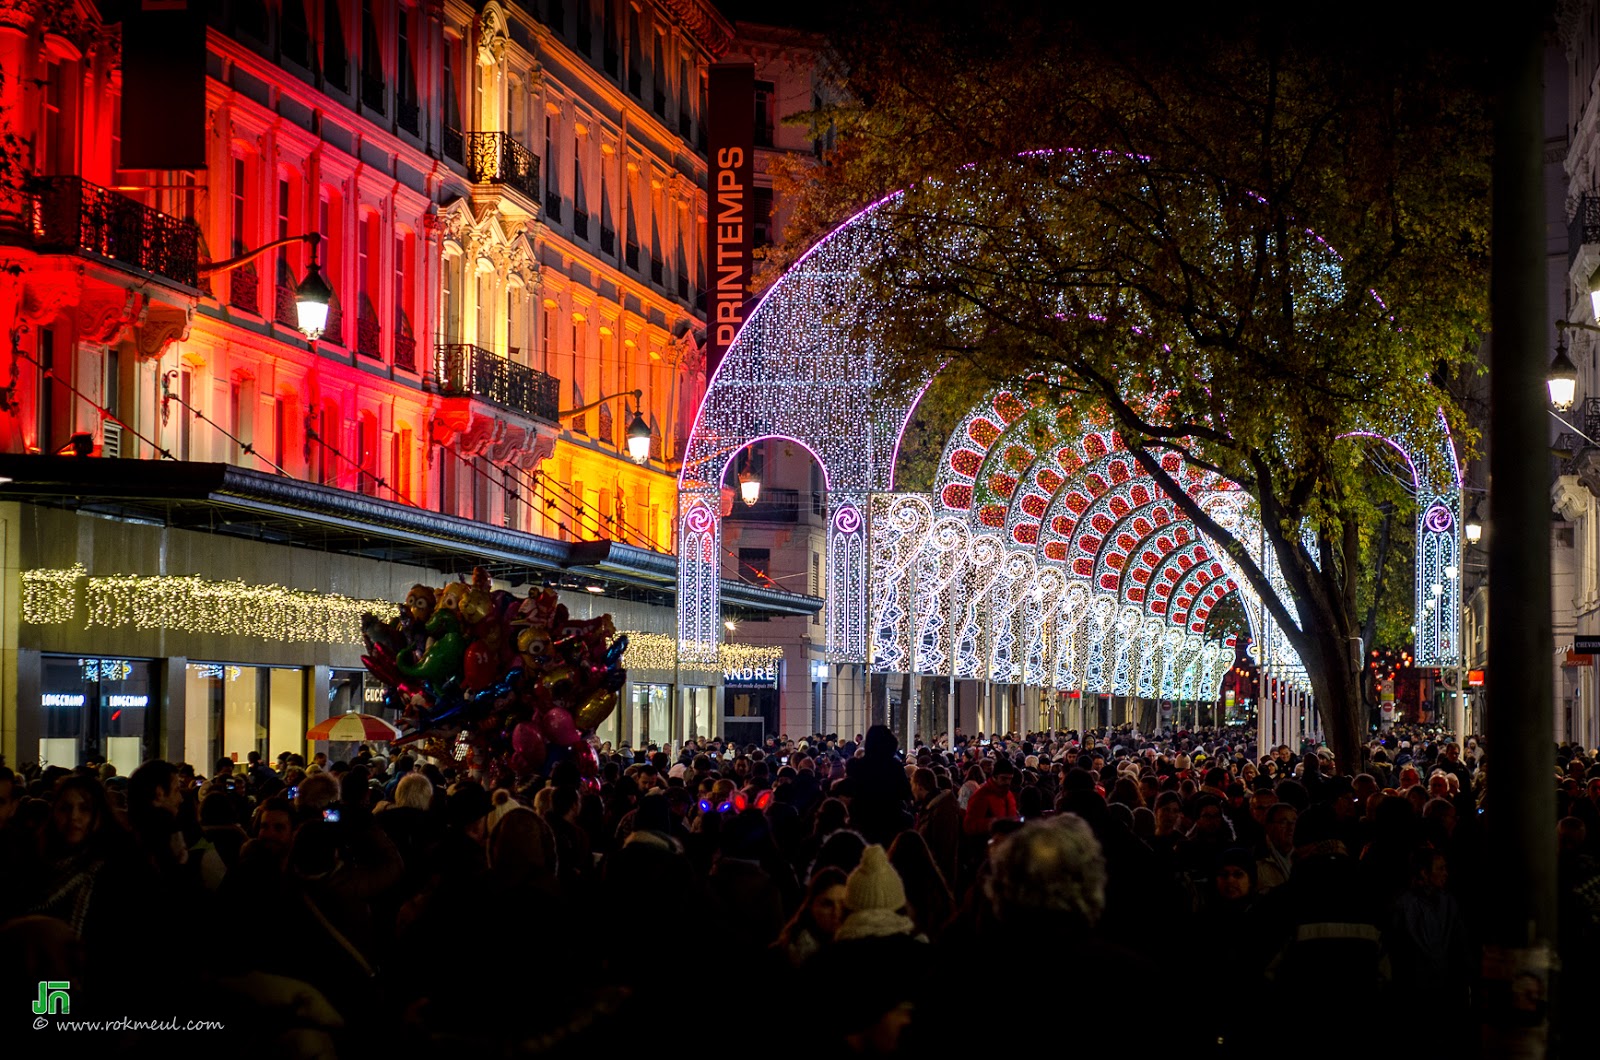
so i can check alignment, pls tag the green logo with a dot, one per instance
(53, 999)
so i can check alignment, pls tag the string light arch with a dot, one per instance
(954, 580)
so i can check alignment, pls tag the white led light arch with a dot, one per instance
(1010, 507)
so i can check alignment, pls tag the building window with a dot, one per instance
(335, 59)
(754, 564)
(372, 83)
(281, 413)
(238, 206)
(761, 208)
(766, 112)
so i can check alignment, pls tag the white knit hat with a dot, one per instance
(874, 895)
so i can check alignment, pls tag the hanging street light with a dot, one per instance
(311, 296)
(638, 438)
(311, 300)
(1473, 526)
(1562, 378)
(749, 487)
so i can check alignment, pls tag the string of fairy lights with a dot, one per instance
(193, 604)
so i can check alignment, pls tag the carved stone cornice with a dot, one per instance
(105, 313)
(1568, 498)
(703, 22)
(473, 429)
(159, 326)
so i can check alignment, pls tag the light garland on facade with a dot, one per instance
(49, 596)
(656, 651)
(197, 605)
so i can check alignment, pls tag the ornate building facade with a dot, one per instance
(508, 200)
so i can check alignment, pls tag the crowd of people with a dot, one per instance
(821, 893)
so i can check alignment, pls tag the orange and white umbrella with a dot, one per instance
(354, 728)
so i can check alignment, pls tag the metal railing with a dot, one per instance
(500, 158)
(772, 506)
(452, 143)
(372, 89)
(1584, 226)
(369, 333)
(408, 113)
(69, 213)
(463, 369)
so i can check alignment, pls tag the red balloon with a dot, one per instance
(559, 728)
(584, 757)
(479, 666)
(527, 739)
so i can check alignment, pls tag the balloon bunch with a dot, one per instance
(516, 680)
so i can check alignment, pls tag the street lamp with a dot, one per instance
(1474, 526)
(1563, 378)
(311, 297)
(749, 487)
(638, 438)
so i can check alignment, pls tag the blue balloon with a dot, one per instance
(614, 653)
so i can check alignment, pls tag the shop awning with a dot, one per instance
(223, 499)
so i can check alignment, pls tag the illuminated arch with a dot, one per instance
(1017, 497)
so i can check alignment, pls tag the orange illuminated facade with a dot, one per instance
(508, 200)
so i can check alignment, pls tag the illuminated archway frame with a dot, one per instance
(799, 370)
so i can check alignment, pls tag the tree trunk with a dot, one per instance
(1338, 690)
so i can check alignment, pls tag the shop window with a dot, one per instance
(231, 710)
(106, 708)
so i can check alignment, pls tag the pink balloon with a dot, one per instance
(559, 727)
(527, 738)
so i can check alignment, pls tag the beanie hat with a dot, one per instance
(874, 884)
(874, 895)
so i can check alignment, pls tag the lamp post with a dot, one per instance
(311, 297)
(638, 431)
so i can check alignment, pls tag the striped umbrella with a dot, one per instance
(353, 728)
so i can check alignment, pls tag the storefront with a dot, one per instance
(231, 710)
(92, 708)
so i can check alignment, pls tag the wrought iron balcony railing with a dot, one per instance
(460, 369)
(452, 142)
(499, 158)
(369, 333)
(69, 213)
(372, 89)
(408, 112)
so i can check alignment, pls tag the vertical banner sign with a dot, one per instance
(164, 85)
(730, 141)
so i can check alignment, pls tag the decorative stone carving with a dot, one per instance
(1568, 498)
(159, 326)
(105, 313)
